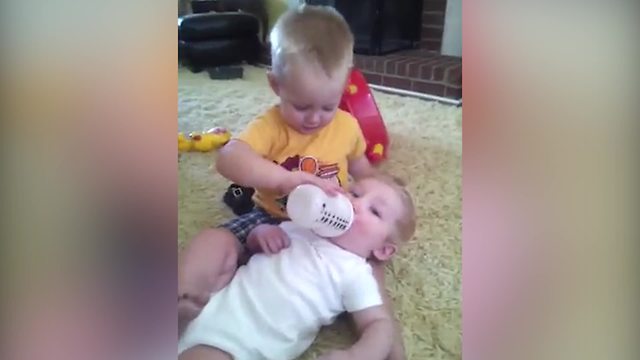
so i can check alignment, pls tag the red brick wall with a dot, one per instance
(433, 12)
(416, 70)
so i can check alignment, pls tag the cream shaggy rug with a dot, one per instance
(424, 278)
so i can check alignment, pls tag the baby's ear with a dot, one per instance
(385, 252)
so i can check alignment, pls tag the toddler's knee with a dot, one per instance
(230, 243)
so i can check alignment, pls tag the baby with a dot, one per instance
(274, 306)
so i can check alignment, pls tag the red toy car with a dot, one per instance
(358, 100)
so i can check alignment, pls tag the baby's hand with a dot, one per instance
(269, 239)
(337, 355)
(296, 178)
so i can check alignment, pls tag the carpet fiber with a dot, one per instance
(426, 148)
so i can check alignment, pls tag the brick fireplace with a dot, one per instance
(422, 69)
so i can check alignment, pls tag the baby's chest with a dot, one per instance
(312, 266)
(324, 274)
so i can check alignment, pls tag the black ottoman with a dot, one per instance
(218, 39)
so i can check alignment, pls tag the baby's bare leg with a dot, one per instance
(205, 266)
(397, 350)
(202, 352)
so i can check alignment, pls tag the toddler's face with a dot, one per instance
(308, 97)
(377, 208)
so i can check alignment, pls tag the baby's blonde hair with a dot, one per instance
(405, 226)
(312, 34)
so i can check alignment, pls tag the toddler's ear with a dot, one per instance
(273, 82)
(385, 252)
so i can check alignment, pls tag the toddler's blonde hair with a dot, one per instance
(318, 35)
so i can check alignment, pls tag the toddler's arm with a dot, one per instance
(361, 167)
(240, 164)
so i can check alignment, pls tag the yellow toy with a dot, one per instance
(203, 142)
(184, 143)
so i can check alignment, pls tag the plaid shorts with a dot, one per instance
(243, 224)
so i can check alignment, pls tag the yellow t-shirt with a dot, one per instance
(325, 153)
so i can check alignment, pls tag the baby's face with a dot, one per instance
(377, 208)
(308, 97)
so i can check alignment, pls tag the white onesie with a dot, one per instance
(275, 305)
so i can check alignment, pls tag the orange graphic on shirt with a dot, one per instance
(311, 165)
